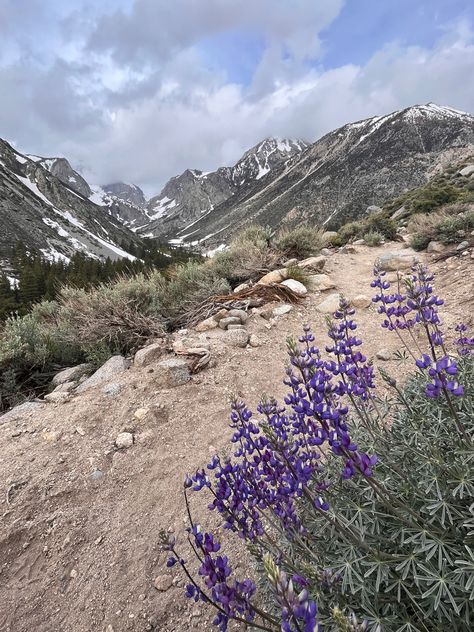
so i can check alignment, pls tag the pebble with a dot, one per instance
(124, 440)
(384, 354)
(163, 583)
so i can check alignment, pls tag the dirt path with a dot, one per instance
(79, 523)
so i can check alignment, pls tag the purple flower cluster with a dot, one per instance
(464, 343)
(442, 373)
(393, 305)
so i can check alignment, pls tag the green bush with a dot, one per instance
(420, 241)
(372, 238)
(300, 242)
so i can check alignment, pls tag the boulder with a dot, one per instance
(281, 310)
(329, 305)
(295, 286)
(236, 337)
(313, 263)
(114, 366)
(71, 374)
(124, 440)
(384, 354)
(57, 397)
(399, 212)
(206, 325)
(359, 242)
(230, 320)
(290, 263)
(65, 387)
(348, 249)
(320, 282)
(242, 287)
(171, 372)
(397, 260)
(372, 209)
(276, 276)
(435, 246)
(149, 354)
(361, 301)
(21, 410)
(326, 252)
(467, 170)
(239, 313)
(462, 246)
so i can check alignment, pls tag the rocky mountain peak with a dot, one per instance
(61, 168)
(128, 193)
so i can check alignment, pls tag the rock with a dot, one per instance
(222, 313)
(298, 288)
(141, 413)
(51, 436)
(124, 440)
(20, 410)
(206, 325)
(361, 301)
(462, 246)
(112, 389)
(239, 313)
(467, 170)
(254, 341)
(182, 344)
(398, 213)
(70, 375)
(384, 354)
(348, 249)
(241, 287)
(290, 263)
(97, 475)
(149, 355)
(276, 276)
(372, 209)
(163, 583)
(313, 263)
(359, 242)
(320, 282)
(330, 305)
(65, 387)
(435, 246)
(329, 234)
(397, 260)
(225, 322)
(281, 310)
(326, 252)
(236, 337)
(234, 326)
(171, 372)
(80, 431)
(114, 366)
(57, 397)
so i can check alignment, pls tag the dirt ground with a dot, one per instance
(79, 546)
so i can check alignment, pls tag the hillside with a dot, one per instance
(44, 205)
(336, 178)
(79, 544)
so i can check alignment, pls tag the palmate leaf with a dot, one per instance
(439, 587)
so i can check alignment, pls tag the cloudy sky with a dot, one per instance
(139, 90)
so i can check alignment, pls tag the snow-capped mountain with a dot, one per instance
(194, 194)
(46, 205)
(336, 178)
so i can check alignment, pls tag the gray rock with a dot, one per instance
(239, 313)
(70, 375)
(124, 440)
(462, 246)
(112, 389)
(290, 263)
(206, 325)
(399, 213)
(276, 276)
(467, 170)
(254, 341)
(21, 410)
(97, 475)
(435, 246)
(313, 263)
(384, 354)
(320, 282)
(236, 338)
(372, 209)
(295, 286)
(171, 372)
(231, 320)
(281, 310)
(397, 260)
(359, 242)
(65, 387)
(241, 287)
(329, 305)
(162, 583)
(149, 354)
(326, 252)
(57, 397)
(114, 366)
(361, 301)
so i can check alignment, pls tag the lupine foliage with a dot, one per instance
(359, 510)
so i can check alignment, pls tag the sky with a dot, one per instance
(140, 90)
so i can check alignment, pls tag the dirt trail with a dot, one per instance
(79, 523)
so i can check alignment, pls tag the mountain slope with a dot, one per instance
(193, 194)
(42, 204)
(335, 179)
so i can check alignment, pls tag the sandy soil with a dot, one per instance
(79, 546)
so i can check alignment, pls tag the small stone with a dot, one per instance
(52, 436)
(57, 398)
(384, 354)
(462, 246)
(112, 389)
(281, 310)
(141, 413)
(149, 355)
(239, 313)
(171, 373)
(206, 325)
(163, 583)
(225, 322)
(398, 213)
(320, 282)
(97, 475)
(80, 431)
(435, 246)
(254, 341)
(196, 611)
(326, 252)
(242, 287)
(397, 260)
(73, 573)
(359, 242)
(467, 170)
(276, 276)
(361, 301)
(330, 305)
(295, 286)
(236, 338)
(290, 263)
(124, 440)
(372, 209)
(313, 263)
(64, 387)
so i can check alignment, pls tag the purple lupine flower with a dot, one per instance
(441, 374)
(393, 305)
(464, 343)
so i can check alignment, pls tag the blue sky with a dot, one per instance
(139, 90)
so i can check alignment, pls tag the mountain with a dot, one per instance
(336, 178)
(194, 194)
(46, 205)
(125, 202)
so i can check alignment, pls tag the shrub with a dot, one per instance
(300, 242)
(377, 535)
(372, 238)
(449, 225)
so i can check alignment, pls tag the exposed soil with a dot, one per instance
(79, 546)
